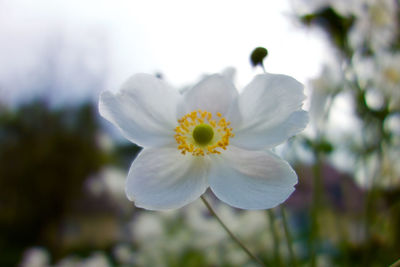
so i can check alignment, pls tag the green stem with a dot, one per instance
(262, 66)
(370, 208)
(289, 239)
(245, 249)
(275, 237)
(315, 208)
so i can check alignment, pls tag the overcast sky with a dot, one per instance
(91, 45)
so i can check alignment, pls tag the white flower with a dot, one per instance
(110, 182)
(209, 136)
(387, 78)
(96, 259)
(324, 88)
(35, 257)
(380, 75)
(376, 23)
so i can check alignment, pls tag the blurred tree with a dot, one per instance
(45, 156)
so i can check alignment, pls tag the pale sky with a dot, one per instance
(115, 39)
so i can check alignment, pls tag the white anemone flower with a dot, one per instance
(209, 136)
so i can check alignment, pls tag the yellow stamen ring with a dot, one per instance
(199, 134)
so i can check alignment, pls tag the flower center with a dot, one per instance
(203, 134)
(199, 134)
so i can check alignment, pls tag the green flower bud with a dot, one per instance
(258, 55)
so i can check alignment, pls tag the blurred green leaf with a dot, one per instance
(336, 25)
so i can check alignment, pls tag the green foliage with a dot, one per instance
(336, 25)
(319, 146)
(189, 257)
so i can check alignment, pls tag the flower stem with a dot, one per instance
(289, 239)
(262, 66)
(245, 249)
(370, 207)
(272, 224)
(315, 209)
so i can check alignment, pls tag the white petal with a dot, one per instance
(163, 178)
(144, 109)
(260, 137)
(251, 179)
(270, 111)
(214, 94)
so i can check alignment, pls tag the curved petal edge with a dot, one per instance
(251, 179)
(163, 178)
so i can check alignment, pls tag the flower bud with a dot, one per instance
(258, 55)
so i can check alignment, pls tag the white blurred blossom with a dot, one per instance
(96, 259)
(343, 7)
(388, 77)
(124, 255)
(376, 24)
(392, 125)
(193, 228)
(380, 76)
(104, 141)
(110, 182)
(380, 169)
(35, 257)
(329, 83)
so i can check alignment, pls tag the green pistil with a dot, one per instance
(203, 134)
